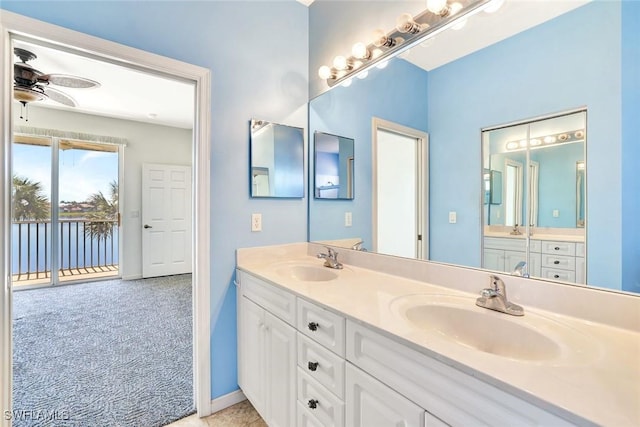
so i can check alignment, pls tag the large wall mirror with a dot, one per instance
(509, 83)
(277, 160)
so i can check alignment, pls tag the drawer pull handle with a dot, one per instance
(556, 276)
(312, 403)
(312, 366)
(557, 248)
(556, 262)
(313, 326)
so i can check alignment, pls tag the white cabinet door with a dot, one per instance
(512, 258)
(493, 259)
(370, 403)
(280, 353)
(267, 355)
(251, 341)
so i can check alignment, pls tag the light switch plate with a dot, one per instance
(453, 217)
(348, 219)
(256, 222)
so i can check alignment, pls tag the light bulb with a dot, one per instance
(382, 64)
(535, 141)
(406, 24)
(360, 51)
(362, 75)
(340, 63)
(454, 8)
(381, 39)
(512, 145)
(347, 83)
(325, 72)
(493, 6)
(523, 143)
(437, 6)
(549, 139)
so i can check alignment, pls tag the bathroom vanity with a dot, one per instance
(389, 341)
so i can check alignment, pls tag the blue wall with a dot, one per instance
(397, 94)
(258, 54)
(559, 65)
(630, 146)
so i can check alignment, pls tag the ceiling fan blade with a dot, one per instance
(61, 97)
(68, 81)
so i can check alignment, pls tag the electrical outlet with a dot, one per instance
(453, 217)
(256, 222)
(348, 219)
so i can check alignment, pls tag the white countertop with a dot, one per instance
(601, 385)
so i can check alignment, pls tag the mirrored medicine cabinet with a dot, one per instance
(334, 163)
(276, 160)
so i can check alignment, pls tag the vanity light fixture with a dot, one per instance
(541, 141)
(439, 16)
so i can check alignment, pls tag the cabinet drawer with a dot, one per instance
(304, 418)
(321, 325)
(562, 275)
(454, 397)
(323, 365)
(275, 300)
(559, 262)
(322, 405)
(558, 248)
(507, 244)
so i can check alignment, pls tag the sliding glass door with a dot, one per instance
(65, 210)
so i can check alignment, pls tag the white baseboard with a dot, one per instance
(132, 277)
(227, 400)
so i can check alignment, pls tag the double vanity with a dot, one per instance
(385, 341)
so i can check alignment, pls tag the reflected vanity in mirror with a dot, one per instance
(333, 166)
(538, 161)
(454, 98)
(276, 160)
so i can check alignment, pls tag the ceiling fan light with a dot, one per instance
(25, 95)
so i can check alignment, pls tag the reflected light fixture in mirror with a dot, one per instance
(410, 30)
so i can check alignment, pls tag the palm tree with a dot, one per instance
(27, 200)
(101, 223)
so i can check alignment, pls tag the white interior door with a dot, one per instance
(400, 222)
(166, 220)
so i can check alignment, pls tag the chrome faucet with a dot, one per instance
(520, 270)
(516, 231)
(330, 258)
(359, 246)
(495, 298)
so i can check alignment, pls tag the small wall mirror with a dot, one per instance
(277, 160)
(334, 166)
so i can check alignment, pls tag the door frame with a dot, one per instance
(13, 25)
(422, 187)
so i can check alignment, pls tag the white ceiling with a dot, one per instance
(134, 95)
(124, 92)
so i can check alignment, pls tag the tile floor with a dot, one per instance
(239, 415)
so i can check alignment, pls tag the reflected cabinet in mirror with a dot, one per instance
(276, 160)
(576, 195)
(333, 165)
(536, 228)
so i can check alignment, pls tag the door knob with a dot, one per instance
(147, 226)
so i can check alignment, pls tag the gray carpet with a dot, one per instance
(112, 353)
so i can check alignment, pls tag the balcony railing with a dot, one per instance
(78, 252)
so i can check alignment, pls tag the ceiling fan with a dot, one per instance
(31, 85)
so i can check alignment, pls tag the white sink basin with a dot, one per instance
(457, 320)
(307, 273)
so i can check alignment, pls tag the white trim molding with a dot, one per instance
(229, 399)
(14, 26)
